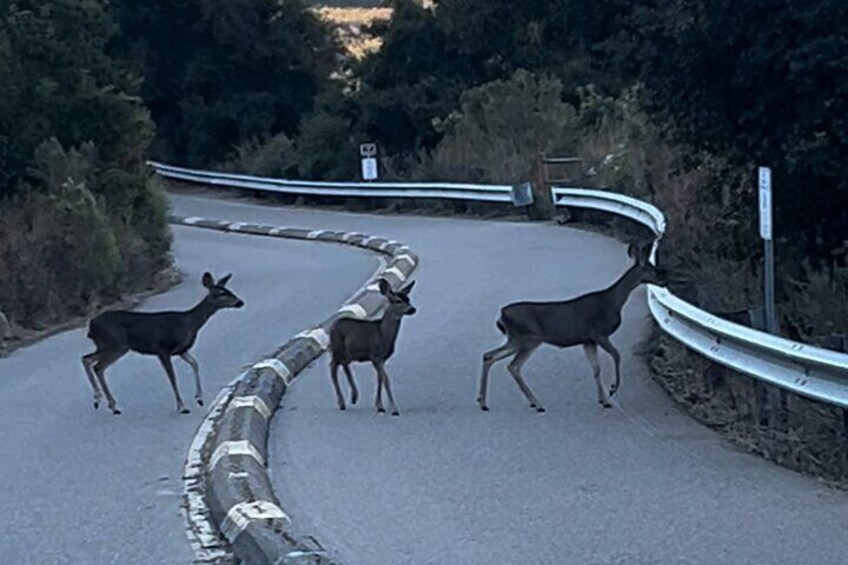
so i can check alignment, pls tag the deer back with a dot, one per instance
(358, 340)
(143, 332)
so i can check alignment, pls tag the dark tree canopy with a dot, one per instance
(221, 72)
(761, 82)
(58, 81)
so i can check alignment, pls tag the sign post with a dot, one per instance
(368, 151)
(766, 235)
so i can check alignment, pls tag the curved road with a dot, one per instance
(445, 483)
(80, 486)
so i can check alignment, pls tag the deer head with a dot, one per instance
(647, 273)
(399, 304)
(219, 295)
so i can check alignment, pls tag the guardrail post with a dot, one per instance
(845, 422)
(543, 202)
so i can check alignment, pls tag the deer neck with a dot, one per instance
(625, 285)
(201, 313)
(389, 328)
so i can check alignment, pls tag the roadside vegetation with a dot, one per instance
(673, 101)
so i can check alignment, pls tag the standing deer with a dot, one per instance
(369, 340)
(163, 334)
(587, 320)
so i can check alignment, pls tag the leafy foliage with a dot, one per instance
(219, 73)
(763, 84)
(80, 217)
(501, 128)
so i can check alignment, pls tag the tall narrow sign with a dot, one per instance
(766, 235)
(765, 203)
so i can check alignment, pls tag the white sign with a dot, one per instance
(369, 168)
(765, 203)
(368, 149)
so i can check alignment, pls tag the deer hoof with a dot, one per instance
(96, 404)
(395, 413)
(381, 410)
(606, 404)
(116, 412)
(484, 408)
(200, 402)
(342, 408)
(185, 410)
(540, 409)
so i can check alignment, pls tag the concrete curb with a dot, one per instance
(232, 473)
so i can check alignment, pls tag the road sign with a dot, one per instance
(768, 251)
(368, 149)
(765, 203)
(369, 168)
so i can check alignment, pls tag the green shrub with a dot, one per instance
(500, 130)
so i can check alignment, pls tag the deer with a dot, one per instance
(588, 320)
(164, 334)
(353, 340)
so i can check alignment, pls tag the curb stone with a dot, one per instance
(233, 474)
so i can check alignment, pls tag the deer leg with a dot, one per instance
(104, 359)
(607, 346)
(381, 369)
(354, 392)
(591, 350)
(489, 359)
(88, 362)
(334, 374)
(514, 369)
(378, 403)
(198, 388)
(165, 359)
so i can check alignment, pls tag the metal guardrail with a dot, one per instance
(452, 191)
(810, 371)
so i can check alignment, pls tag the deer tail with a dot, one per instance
(508, 324)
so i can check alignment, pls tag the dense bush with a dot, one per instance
(221, 73)
(81, 220)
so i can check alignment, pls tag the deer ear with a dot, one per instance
(633, 251)
(407, 288)
(207, 280)
(225, 279)
(385, 289)
(646, 252)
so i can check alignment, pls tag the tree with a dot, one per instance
(760, 82)
(431, 56)
(57, 81)
(219, 73)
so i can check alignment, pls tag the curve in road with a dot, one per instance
(641, 483)
(80, 486)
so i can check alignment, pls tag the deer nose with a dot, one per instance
(411, 311)
(240, 303)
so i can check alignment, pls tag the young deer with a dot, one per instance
(587, 320)
(163, 334)
(369, 340)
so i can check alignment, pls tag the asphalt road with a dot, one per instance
(638, 484)
(80, 486)
(445, 483)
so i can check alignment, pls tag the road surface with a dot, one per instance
(80, 486)
(444, 482)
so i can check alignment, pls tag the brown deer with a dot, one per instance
(587, 320)
(369, 340)
(163, 334)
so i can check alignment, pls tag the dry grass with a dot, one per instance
(349, 24)
(807, 437)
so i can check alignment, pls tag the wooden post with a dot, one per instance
(543, 206)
